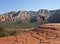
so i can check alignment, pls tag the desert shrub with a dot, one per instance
(3, 31)
(15, 31)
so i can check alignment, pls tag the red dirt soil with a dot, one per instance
(46, 34)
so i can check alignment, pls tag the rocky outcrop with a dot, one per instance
(46, 34)
(43, 15)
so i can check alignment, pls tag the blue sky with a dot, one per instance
(34, 5)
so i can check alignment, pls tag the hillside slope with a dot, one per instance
(46, 34)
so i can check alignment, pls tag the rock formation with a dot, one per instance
(25, 16)
(52, 16)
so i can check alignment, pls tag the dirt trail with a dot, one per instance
(46, 34)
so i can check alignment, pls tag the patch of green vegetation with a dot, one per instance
(4, 32)
(15, 31)
(13, 26)
(21, 25)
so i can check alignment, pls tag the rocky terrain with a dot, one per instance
(45, 34)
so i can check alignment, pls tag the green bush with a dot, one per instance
(3, 31)
(15, 32)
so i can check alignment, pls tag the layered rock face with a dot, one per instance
(46, 34)
(25, 16)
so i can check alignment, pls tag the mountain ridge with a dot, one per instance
(25, 16)
(30, 16)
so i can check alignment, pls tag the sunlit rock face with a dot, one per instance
(43, 15)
